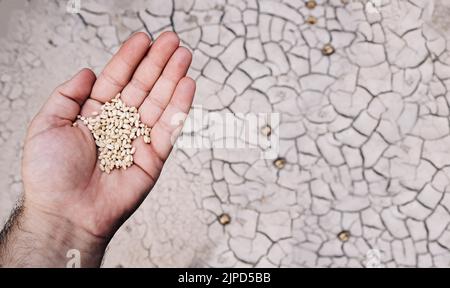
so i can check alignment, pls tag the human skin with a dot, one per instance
(68, 202)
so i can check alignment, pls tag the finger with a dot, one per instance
(169, 124)
(150, 69)
(158, 99)
(66, 100)
(146, 158)
(90, 108)
(121, 67)
(175, 70)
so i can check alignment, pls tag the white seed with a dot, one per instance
(114, 129)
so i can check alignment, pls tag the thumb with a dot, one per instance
(66, 100)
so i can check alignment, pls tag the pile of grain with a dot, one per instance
(114, 129)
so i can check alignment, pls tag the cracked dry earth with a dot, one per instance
(364, 132)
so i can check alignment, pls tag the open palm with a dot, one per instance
(60, 171)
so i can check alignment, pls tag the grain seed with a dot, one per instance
(114, 129)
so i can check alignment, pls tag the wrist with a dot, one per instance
(43, 239)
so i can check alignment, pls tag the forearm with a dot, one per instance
(33, 238)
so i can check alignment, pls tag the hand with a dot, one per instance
(63, 184)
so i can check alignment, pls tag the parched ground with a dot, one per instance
(364, 132)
